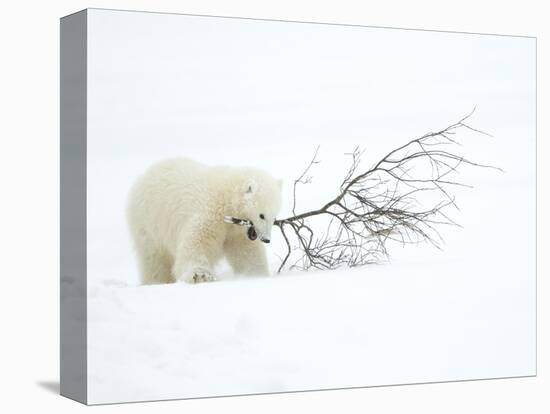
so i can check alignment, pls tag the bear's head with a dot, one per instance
(258, 201)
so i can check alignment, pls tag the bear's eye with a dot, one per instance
(262, 216)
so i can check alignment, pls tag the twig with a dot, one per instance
(379, 205)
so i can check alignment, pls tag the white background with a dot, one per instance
(29, 135)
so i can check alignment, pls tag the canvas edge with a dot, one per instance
(73, 96)
(327, 23)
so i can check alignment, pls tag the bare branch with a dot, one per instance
(391, 201)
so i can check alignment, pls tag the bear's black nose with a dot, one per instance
(265, 240)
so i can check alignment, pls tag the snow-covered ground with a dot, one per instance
(266, 94)
(397, 324)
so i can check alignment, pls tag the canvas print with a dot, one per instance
(265, 206)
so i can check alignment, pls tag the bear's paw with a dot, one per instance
(203, 275)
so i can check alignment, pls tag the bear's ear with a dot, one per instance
(250, 187)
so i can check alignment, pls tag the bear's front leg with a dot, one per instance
(199, 247)
(247, 257)
(192, 265)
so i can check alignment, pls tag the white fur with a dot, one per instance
(176, 217)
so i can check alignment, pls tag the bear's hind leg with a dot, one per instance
(156, 269)
(154, 263)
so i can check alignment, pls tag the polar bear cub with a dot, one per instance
(176, 216)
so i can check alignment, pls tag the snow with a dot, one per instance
(192, 85)
(385, 325)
